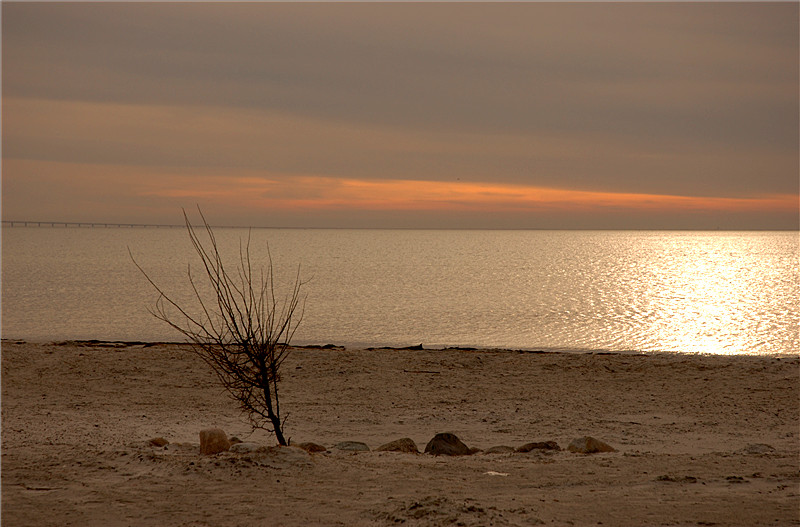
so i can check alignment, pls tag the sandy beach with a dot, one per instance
(701, 440)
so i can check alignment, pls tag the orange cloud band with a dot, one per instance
(320, 193)
(28, 184)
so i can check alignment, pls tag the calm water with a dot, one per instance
(721, 292)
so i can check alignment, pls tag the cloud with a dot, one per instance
(686, 100)
(247, 193)
(308, 192)
(515, 67)
(277, 141)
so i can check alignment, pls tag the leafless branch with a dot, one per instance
(243, 332)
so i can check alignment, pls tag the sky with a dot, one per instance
(403, 115)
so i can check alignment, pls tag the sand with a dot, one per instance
(76, 420)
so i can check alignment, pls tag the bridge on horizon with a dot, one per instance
(41, 223)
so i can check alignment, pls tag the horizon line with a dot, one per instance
(122, 225)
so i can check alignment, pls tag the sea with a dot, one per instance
(582, 291)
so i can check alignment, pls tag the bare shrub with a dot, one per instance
(242, 329)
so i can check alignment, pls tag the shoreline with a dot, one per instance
(110, 343)
(699, 438)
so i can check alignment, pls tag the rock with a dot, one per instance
(758, 448)
(234, 440)
(213, 441)
(677, 479)
(352, 446)
(546, 445)
(158, 441)
(312, 447)
(446, 445)
(502, 449)
(589, 445)
(243, 448)
(401, 445)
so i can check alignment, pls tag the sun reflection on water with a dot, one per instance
(710, 294)
(691, 292)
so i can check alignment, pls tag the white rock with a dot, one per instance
(243, 448)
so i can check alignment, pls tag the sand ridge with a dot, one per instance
(76, 419)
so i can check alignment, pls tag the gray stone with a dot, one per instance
(213, 441)
(589, 445)
(243, 448)
(546, 445)
(501, 449)
(446, 445)
(352, 446)
(401, 445)
(758, 448)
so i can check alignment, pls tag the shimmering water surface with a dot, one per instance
(708, 292)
